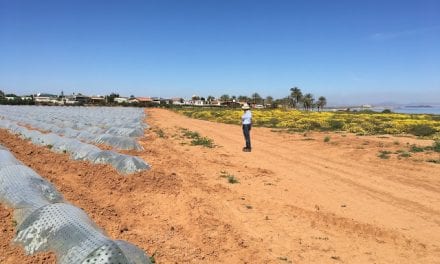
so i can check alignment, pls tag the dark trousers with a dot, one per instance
(247, 135)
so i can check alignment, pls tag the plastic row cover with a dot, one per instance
(119, 142)
(46, 223)
(78, 150)
(97, 120)
(119, 126)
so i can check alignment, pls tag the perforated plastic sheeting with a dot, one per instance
(124, 143)
(69, 232)
(7, 159)
(47, 223)
(123, 163)
(82, 151)
(119, 131)
(124, 131)
(23, 189)
(91, 119)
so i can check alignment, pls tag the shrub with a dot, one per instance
(203, 141)
(232, 179)
(436, 146)
(336, 124)
(384, 154)
(415, 148)
(327, 139)
(405, 154)
(422, 130)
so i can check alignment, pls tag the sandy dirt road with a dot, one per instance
(299, 199)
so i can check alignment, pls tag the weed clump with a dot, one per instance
(231, 178)
(384, 154)
(197, 139)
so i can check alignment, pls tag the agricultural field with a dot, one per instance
(299, 121)
(186, 193)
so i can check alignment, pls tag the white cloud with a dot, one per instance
(382, 36)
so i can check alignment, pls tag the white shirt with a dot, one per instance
(246, 118)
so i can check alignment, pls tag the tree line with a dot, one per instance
(296, 99)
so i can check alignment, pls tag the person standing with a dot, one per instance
(246, 121)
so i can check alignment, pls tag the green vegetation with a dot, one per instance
(360, 123)
(436, 146)
(326, 139)
(405, 154)
(203, 141)
(384, 154)
(160, 133)
(415, 148)
(197, 139)
(231, 178)
(152, 258)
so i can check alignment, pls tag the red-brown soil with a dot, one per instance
(299, 199)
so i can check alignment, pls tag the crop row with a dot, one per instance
(45, 222)
(99, 128)
(77, 149)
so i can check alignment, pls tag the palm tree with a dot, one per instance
(210, 98)
(224, 97)
(269, 100)
(296, 95)
(256, 98)
(322, 101)
(243, 98)
(308, 101)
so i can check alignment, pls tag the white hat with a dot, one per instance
(245, 107)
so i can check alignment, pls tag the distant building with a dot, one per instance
(177, 101)
(97, 100)
(26, 97)
(44, 98)
(142, 99)
(76, 99)
(121, 100)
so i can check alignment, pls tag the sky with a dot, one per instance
(348, 51)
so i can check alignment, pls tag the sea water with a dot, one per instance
(418, 110)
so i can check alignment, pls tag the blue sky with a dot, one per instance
(349, 51)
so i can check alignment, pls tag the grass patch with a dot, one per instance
(405, 154)
(326, 139)
(231, 178)
(190, 134)
(436, 161)
(415, 148)
(160, 133)
(436, 146)
(197, 139)
(203, 141)
(384, 154)
(152, 258)
(49, 146)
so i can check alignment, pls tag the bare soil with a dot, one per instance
(298, 200)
